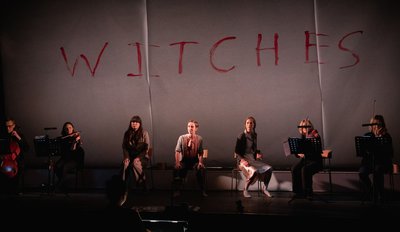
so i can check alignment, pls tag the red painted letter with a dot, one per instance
(139, 60)
(66, 62)
(308, 45)
(212, 51)
(181, 48)
(93, 71)
(341, 47)
(275, 48)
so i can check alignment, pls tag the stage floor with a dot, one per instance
(159, 211)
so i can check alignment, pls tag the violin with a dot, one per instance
(72, 135)
(73, 139)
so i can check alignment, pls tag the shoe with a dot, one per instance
(246, 194)
(176, 193)
(204, 194)
(268, 194)
(123, 199)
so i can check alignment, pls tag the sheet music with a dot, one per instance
(299, 145)
(286, 148)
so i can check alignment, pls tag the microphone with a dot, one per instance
(50, 128)
(303, 126)
(370, 124)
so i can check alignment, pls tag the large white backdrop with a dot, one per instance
(98, 63)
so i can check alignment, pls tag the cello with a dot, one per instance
(9, 165)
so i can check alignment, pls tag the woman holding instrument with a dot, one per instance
(72, 155)
(377, 160)
(309, 164)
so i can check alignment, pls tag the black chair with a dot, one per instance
(149, 166)
(391, 178)
(78, 170)
(326, 165)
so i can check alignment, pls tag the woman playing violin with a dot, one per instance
(72, 155)
(309, 164)
(13, 162)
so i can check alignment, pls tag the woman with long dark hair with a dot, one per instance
(72, 155)
(135, 147)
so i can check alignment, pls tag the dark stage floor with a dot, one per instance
(160, 212)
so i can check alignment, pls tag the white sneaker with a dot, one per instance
(267, 193)
(123, 198)
(204, 194)
(246, 193)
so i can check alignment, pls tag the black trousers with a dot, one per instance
(302, 174)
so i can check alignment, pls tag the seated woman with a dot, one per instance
(135, 148)
(72, 155)
(309, 164)
(376, 161)
(250, 158)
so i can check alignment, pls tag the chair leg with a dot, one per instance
(330, 175)
(391, 182)
(237, 180)
(76, 180)
(151, 175)
(330, 181)
(77, 173)
(21, 182)
(205, 179)
(232, 173)
(234, 178)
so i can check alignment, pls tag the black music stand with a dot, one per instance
(46, 147)
(367, 147)
(304, 146)
(364, 145)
